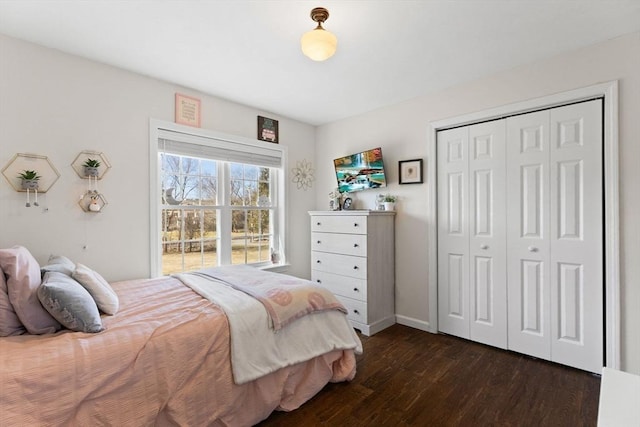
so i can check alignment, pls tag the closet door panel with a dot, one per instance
(453, 232)
(527, 176)
(576, 235)
(487, 249)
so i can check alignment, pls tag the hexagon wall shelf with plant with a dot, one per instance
(84, 157)
(31, 162)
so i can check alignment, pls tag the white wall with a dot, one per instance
(401, 130)
(57, 105)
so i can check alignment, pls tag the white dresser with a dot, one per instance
(353, 255)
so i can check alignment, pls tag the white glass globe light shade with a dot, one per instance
(319, 44)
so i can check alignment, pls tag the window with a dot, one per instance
(219, 201)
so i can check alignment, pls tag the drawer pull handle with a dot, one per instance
(318, 262)
(484, 247)
(532, 249)
(356, 312)
(355, 245)
(355, 267)
(354, 289)
(355, 224)
(319, 242)
(318, 223)
(318, 280)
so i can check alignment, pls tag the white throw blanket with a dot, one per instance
(256, 349)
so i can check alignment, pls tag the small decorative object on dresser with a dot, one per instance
(389, 202)
(347, 204)
(352, 254)
(334, 200)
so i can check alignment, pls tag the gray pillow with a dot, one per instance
(60, 264)
(69, 303)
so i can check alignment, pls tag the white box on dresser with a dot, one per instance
(353, 255)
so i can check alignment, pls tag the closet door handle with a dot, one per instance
(532, 249)
(484, 247)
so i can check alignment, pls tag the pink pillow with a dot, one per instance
(23, 279)
(9, 322)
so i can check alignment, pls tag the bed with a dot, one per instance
(162, 359)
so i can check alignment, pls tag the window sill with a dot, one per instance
(276, 268)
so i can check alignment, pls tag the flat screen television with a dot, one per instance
(360, 171)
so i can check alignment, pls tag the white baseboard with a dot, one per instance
(414, 323)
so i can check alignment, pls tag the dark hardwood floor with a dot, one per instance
(408, 377)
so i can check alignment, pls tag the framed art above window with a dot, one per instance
(187, 110)
(267, 129)
(410, 171)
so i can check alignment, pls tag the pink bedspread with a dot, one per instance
(163, 360)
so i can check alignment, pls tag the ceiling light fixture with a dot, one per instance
(319, 44)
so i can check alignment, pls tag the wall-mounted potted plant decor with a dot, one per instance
(86, 160)
(23, 169)
(91, 167)
(29, 179)
(30, 173)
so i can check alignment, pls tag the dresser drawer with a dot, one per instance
(357, 310)
(345, 265)
(341, 285)
(347, 244)
(340, 224)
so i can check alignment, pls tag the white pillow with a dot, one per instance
(102, 293)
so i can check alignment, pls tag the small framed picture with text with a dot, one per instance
(267, 129)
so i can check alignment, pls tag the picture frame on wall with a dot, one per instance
(410, 171)
(187, 110)
(267, 129)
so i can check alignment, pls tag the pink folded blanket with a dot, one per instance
(286, 298)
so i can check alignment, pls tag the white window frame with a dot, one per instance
(159, 128)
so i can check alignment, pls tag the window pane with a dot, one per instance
(171, 241)
(251, 243)
(192, 228)
(171, 219)
(209, 181)
(236, 192)
(210, 239)
(249, 185)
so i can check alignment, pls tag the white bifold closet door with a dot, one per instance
(555, 220)
(471, 252)
(520, 224)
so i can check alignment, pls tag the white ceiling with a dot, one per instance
(249, 52)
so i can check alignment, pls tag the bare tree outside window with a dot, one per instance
(190, 213)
